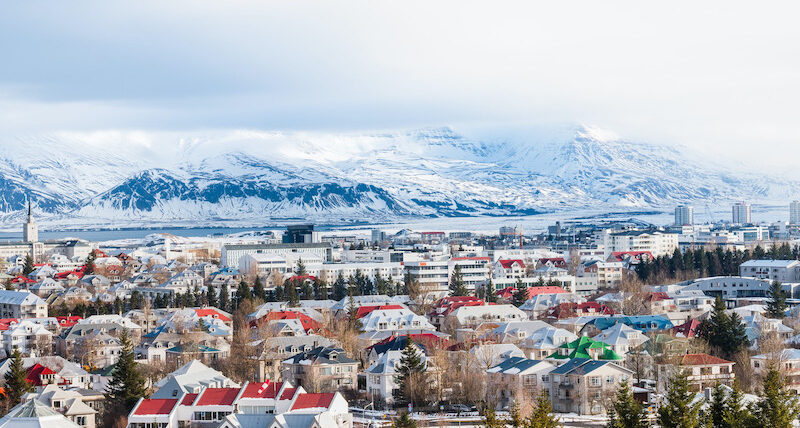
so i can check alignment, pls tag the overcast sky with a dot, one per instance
(706, 74)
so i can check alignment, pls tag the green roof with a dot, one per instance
(581, 347)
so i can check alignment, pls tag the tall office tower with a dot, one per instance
(741, 213)
(794, 213)
(684, 215)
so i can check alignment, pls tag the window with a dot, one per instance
(595, 381)
(610, 379)
(81, 420)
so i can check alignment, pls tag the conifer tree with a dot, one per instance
(626, 412)
(776, 305)
(198, 296)
(211, 296)
(410, 373)
(290, 292)
(725, 334)
(404, 421)
(28, 267)
(243, 293)
(735, 413)
(490, 419)
(224, 298)
(777, 408)
(127, 385)
(490, 295)
(520, 294)
(301, 268)
(457, 286)
(16, 379)
(542, 415)
(258, 289)
(339, 287)
(678, 411)
(88, 267)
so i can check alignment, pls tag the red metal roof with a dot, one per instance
(188, 399)
(262, 390)
(288, 393)
(35, 373)
(508, 263)
(688, 329)
(156, 406)
(209, 312)
(366, 310)
(548, 289)
(702, 360)
(313, 401)
(218, 397)
(306, 321)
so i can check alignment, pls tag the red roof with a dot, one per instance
(303, 278)
(288, 393)
(702, 360)
(621, 255)
(5, 323)
(209, 312)
(366, 310)
(507, 264)
(572, 309)
(156, 406)
(659, 296)
(313, 401)
(449, 304)
(21, 278)
(548, 289)
(68, 321)
(688, 329)
(506, 293)
(64, 275)
(306, 321)
(35, 373)
(188, 399)
(218, 397)
(262, 390)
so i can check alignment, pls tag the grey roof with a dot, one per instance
(277, 246)
(11, 297)
(322, 355)
(521, 364)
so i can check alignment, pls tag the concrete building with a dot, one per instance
(740, 213)
(794, 213)
(773, 270)
(684, 215)
(656, 242)
(30, 231)
(231, 254)
(433, 276)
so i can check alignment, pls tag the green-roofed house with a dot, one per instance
(584, 347)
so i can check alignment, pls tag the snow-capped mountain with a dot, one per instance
(250, 177)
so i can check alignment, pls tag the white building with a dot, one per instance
(684, 215)
(30, 231)
(398, 320)
(656, 242)
(740, 213)
(476, 271)
(473, 316)
(27, 336)
(773, 270)
(232, 253)
(794, 213)
(433, 276)
(21, 304)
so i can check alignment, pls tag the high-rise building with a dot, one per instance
(30, 231)
(794, 213)
(741, 213)
(378, 236)
(684, 215)
(300, 234)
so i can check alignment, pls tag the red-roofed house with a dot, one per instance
(687, 329)
(363, 311)
(509, 268)
(447, 305)
(312, 401)
(572, 309)
(39, 375)
(547, 289)
(630, 257)
(155, 412)
(309, 324)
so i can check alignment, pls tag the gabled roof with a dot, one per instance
(509, 263)
(156, 406)
(313, 401)
(218, 397)
(266, 389)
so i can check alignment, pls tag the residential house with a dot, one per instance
(321, 369)
(584, 386)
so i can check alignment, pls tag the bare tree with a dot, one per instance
(635, 296)
(574, 261)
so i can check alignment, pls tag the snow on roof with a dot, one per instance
(313, 401)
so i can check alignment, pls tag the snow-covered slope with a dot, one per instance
(260, 177)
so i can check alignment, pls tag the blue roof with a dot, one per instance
(593, 365)
(644, 323)
(517, 362)
(569, 365)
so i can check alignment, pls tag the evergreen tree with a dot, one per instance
(224, 298)
(735, 413)
(381, 285)
(88, 267)
(678, 410)
(290, 292)
(542, 415)
(626, 411)
(759, 253)
(457, 286)
(118, 306)
(725, 334)
(490, 419)
(320, 290)
(490, 295)
(339, 287)
(258, 289)
(16, 379)
(410, 373)
(28, 267)
(520, 294)
(136, 300)
(127, 385)
(211, 296)
(198, 296)
(404, 421)
(301, 268)
(776, 305)
(243, 293)
(777, 408)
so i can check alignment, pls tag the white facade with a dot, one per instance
(433, 276)
(794, 213)
(740, 213)
(656, 242)
(232, 253)
(684, 215)
(21, 304)
(773, 270)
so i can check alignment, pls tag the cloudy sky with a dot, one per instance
(709, 74)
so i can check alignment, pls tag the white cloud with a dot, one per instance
(717, 75)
